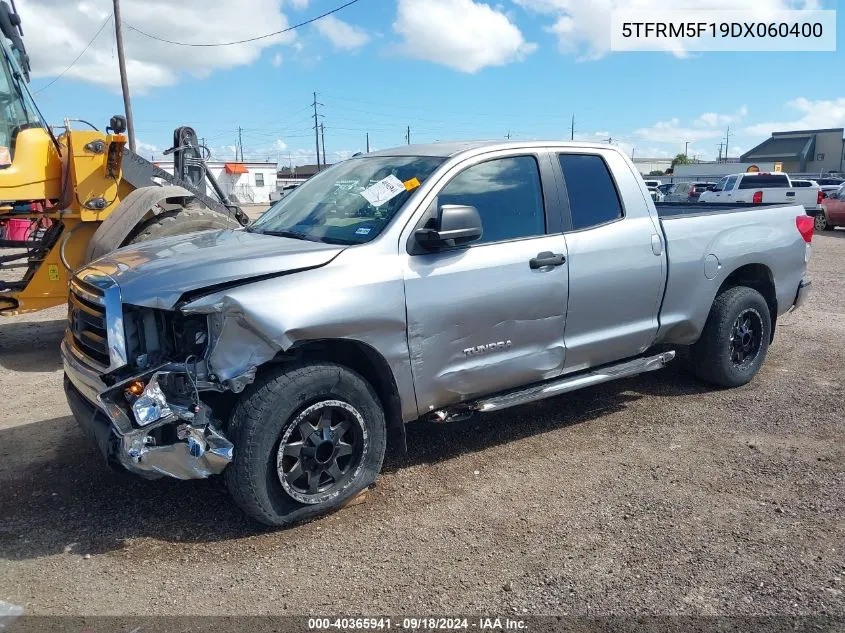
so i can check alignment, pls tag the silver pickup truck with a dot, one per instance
(432, 281)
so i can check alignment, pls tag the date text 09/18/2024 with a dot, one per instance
(416, 624)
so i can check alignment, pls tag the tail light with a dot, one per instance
(820, 197)
(694, 193)
(757, 198)
(805, 227)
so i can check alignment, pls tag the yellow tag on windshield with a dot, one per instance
(411, 184)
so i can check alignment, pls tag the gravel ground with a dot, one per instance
(652, 495)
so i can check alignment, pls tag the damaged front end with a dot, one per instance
(178, 435)
(159, 412)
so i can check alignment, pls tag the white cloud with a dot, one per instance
(276, 60)
(279, 145)
(705, 126)
(814, 115)
(342, 35)
(149, 63)
(714, 119)
(461, 34)
(299, 4)
(583, 27)
(147, 149)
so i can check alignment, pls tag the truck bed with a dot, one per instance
(668, 210)
(699, 238)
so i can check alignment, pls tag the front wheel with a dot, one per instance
(735, 339)
(307, 439)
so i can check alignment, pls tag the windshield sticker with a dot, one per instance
(364, 230)
(383, 191)
(411, 184)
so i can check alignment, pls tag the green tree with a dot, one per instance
(680, 159)
(655, 172)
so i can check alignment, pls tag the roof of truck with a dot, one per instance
(452, 148)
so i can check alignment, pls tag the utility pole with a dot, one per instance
(632, 152)
(323, 136)
(240, 143)
(124, 82)
(408, 135)
(368, 142)
(727, 138)
(508, 135)
(721, 145)
(572, 129)
(317, 131)
(686, 149)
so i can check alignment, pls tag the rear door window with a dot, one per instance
(764, 181)
(729, 185)
(593, 198)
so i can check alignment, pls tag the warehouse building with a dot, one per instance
(802, 151)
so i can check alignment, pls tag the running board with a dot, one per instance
(571, 383)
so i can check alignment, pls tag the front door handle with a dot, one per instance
(546, 258)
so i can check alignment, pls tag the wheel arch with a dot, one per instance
(760, 278)
(364, 360)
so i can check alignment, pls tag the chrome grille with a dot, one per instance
(87, 324)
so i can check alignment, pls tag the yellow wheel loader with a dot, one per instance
(70, 195)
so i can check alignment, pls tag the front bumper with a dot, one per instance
(200, 452)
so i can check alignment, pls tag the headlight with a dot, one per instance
(151, 405)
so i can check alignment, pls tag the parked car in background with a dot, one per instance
(832, 213)
(278, 194)
(804, 183)
(424, 282)
(655, 194)
(687, 191)
(665, 187)
(829, 185)
(652, 183)
(763, 188)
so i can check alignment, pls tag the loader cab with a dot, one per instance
(17, 107)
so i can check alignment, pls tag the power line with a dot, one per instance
(78, 57)
(251, 39)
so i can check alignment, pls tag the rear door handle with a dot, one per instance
(546, 258)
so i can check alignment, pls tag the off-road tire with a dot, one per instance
(258, 425)
(181, 222)
(712, 355)
(820, 222)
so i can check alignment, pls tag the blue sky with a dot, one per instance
(450, 69)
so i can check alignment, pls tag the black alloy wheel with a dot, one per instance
(746, 337)
(321, 450)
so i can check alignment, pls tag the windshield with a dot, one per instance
(349, 203)
(17, 110)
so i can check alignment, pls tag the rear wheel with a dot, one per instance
(735, 339)
(307, 439)
(820, 222)
(181, 222)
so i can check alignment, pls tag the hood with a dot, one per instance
(155, 274)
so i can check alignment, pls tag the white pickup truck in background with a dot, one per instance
(762, 188)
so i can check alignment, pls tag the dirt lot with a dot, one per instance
(652, 495)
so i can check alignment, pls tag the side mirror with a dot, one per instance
(456, 226)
